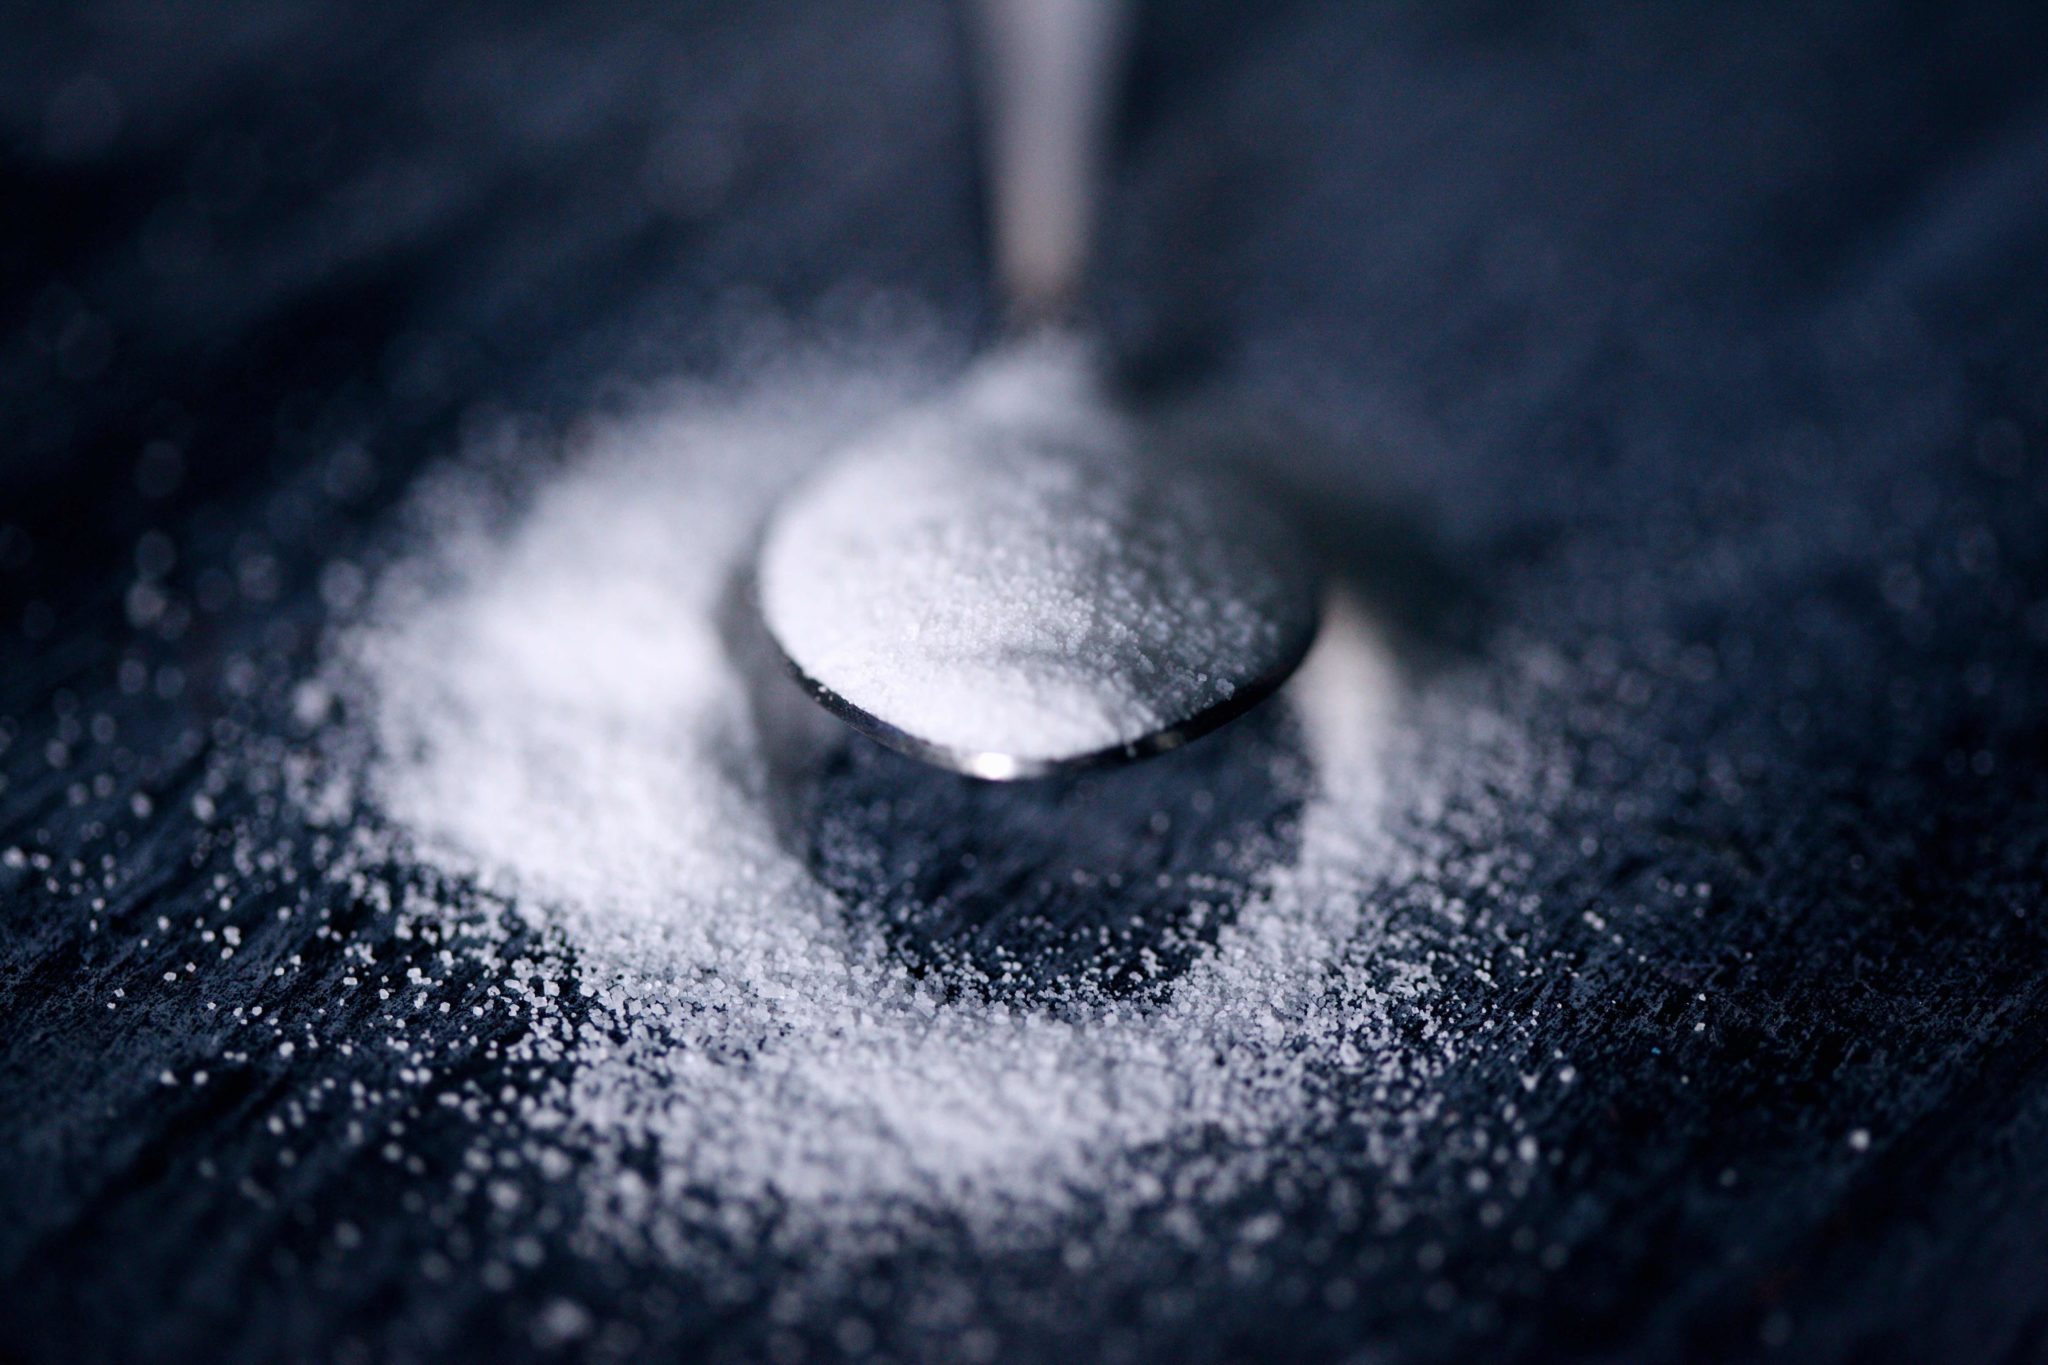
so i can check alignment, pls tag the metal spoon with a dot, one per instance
(1011, 582)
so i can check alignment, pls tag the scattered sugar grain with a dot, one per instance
(552, 715)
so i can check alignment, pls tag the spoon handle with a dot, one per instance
(1049, 69)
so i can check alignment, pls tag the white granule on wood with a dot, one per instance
(554, 714)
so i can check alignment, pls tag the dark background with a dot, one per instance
(1705, 346)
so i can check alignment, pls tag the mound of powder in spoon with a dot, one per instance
(1006, 574)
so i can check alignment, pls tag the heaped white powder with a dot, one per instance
(1003, 572)
(558, 714)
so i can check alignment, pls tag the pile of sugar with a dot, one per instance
(554, 715)
(1002, 573)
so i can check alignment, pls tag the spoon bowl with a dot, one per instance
(1009, 584)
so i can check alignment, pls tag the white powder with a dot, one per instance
(1000, 573)
(557, 713)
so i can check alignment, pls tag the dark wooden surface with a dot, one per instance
(1703, 350)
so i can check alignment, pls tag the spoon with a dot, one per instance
(1012, 581)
